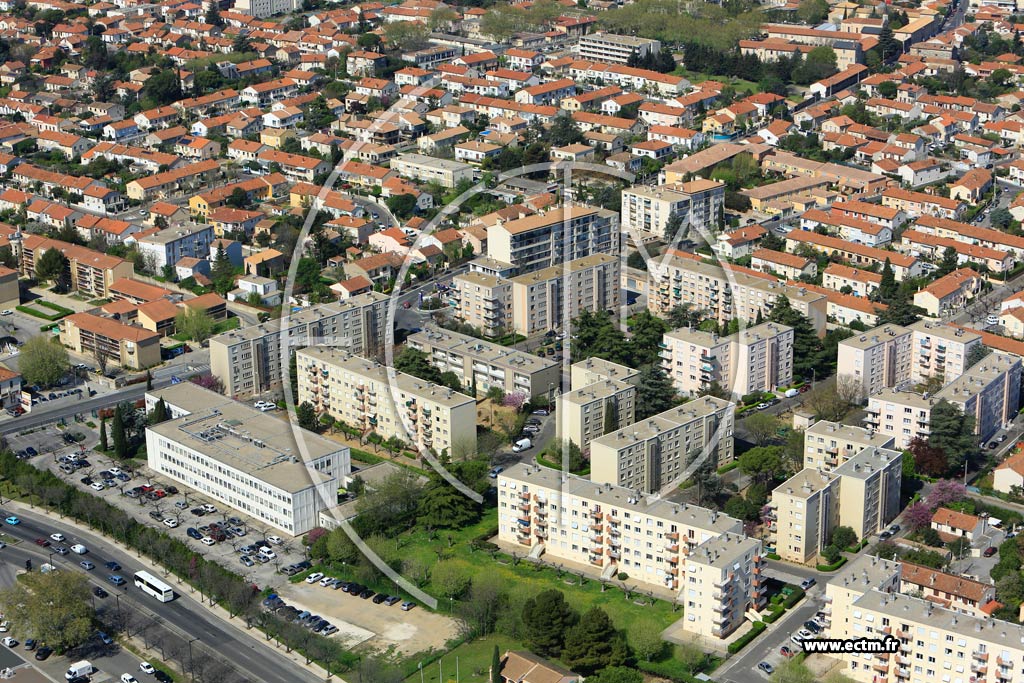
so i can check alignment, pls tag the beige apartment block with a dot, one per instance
(593, 370)
(427, 169)
(485, 365)
(584, 414)
(730, 568)
(902, 415)
(726, 294)
(131, 347)
(758, 358)
(249, 360)
(614, 530)
(940, 350)
(375, 398)
(653, 454)
(697, 204)
(483, 301)
(876, 359)
(827, 445)
(553, 238)
(547, 299)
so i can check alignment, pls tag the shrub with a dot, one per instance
(741, 642)
(773, 616)
(796, 596)
(623, 576)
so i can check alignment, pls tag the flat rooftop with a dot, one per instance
(978, 376)
(453, 342)
(432, 162)
(865, 572)
(843, 432)
(723, 551)
(934, 329)
(189, 396)
(301, 318)
(610, 496)
(875, 336)
(805, 483)
(605, 368)
(563, 269)
(598, 390)
(662, 422)
(867, 462)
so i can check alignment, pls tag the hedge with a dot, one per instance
(53, 307)
(774, 556)
(671, 669)
(728, 467)
(741, 642)
(832, 567)
(773, 616)
(796, 596)
(52, 317)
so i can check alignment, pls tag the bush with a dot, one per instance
(35, 312)
(623, 576)
(832, 567)
(741, 642)
(774, 556)
(796, 596)
(728, 467)
(773, 616)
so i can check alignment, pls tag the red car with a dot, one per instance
(990, 551)
(159, 493)
(786, 651)
(42, 542)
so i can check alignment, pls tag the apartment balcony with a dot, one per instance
(596, 561)
(903, 673)
(903, 634)
(980, 669)
(673, 571)
(1004, 675)
(902, 661)
(887, 630)
(980, 656)
(613, 532)
(672, 536)
(539, 511)
(541, 533)
(705, 367)
(665, 354)
(410, 403)
(524, 506)
(880, 667)
(524, 540)
(597, 514)
(597, 539)
(414, 418)
(1003, 662)
(673, 560)
(614, 554)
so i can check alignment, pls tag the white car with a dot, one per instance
(276, 540)
(171, 522)
(10, 642)
(206, 540)
(314, 577)
(147, 668)
(115, 471)
(7, 311)
(209, 509)
(326, 581)
(5, 626)
(58, 538)
(128, 678)
(97, 486)
(79, 549)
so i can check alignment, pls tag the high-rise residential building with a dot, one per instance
(592, 370)
(653, 454)
(592, 411)
(827, 445)
(941, 350)
(876, 359)
(758, 358)
(989, 391)
(248, 361)
(862, 493)
(554, 238)
(702, 554)
(610, 48)
(238, 456)
(549, 298)
(696, 205)
(482, 301)
(485, 365)
(375, 398)
(675, 280)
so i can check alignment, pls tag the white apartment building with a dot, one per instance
(428, 169)
(593, 410)
(594, 370)
(863, 494)
(679, 547)
(549, 298)
(940, 350)
(249, 360)
(265, 8)
(483, 301)
(876, 359)
(827, 445)
(553, 238)
(485, 365)
(989, 391)
(725, 294)
(758, 358)
(653, 454)
(170, 245)
(248, 461)
(609, 48)
(375, 398)
(697, 204)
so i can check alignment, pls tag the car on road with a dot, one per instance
(79, 549)
(493, 474)
(162, 677)
(43, 653)
(762, 406)
(787, 651)
(895, 529)
(59, 538)
(807, 583)
(113, 566)
(408, 605)
(993, 445)
(116, 580)
(990, 551)
(7, 311)
(61, 550)
(99, 592)
(12, 520)
(885, 535)
(128, 678)
(766, 667)
(43, 542)
(104, 638)
(87, 565)
(540, 411)
(147, 668)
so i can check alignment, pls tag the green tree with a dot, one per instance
(888, 287)
(952, 432)
(416, 363)
(901, 311)
(450, 579)
(442, 506)
(844, 537)
(564, 131)
(611, 417)
(616, 674)
(648, 331)
(762, 464)
(163, 87)
(117, 426)
(645, 639)
(406, 35)
(54, 608)
(807, 347)
(195, 323)
(812, 11)
(739, 507)
(306, 416)
(51, 266)
(547, 619)
(496, 666)
(948, 263)
(222, 274)
(43, 360)
(401, 205)
(103, 436)
(213, 15)
(762, 427)
(593, 643)
(792, 671)
(159, 413)
(655, 392)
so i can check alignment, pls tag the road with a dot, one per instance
(45, 414)
(222, 641)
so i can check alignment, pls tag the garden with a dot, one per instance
(46, 310)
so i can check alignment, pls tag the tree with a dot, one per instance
(762, 427)
(496, 666)
(450, 579)
(406, 35)
(762, 463)
(928, 459)
(306, 416)
(222, 273)
(442, 17)
(616, 674)
(655, 392)
(51, 266)
(547, 619)
(952, 432)
(792, 671)
(117, 426)
(213, 15)
(807, 347)
(977, 353)
(238, 199)
(888, 45)
(645, 639)
(918, 516)
(401, 205)
(1001, 218)
(445, 507)
(705, 478)
(812, 11)
(103, 436)
(948, 263)
(195, 323)
(888, 286)
(54, 608)
(160, 413)
(901, 311)
(416, 363)
(594, 644)
(42, 360)
(739, 507)
(391, 506)
(844, 537)
(163, 87)
(611, 416)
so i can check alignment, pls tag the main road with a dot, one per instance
(245, 652)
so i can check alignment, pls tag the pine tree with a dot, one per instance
(594, 644)
(159, 412)
(103, 436)
(546, 620)
(495, 666)
(888, 286)
(119, 436)
(149, 381)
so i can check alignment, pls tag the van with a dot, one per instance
(790, 393)
(521, 445)
(82, 668)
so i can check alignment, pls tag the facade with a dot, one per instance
(609, 48)
(10, 388)
(375, 398)
(876, 359)
(953, 591)
(759, 358)
(484, 365)
(653, 454)
(732, 566)
(483, 301)
(248, 360)
(553, 238)
(593, 410)
(90, 272)
(170, 245)
(827, 445)
(432, 169)
(696, 204)
(940, 351)
(130, 347)
(547, 299)
(238, 456)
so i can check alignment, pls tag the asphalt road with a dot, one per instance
(224, 642)
(45, 414)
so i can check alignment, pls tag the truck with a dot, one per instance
(82, 668)
(521, 445)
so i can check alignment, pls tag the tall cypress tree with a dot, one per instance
(888, 287)
(495, 666)
(103, 435)
(119, 435)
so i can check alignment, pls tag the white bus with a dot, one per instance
(154, 586)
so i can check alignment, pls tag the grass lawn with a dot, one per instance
(698, 77)
(474, 659)
(227, 325)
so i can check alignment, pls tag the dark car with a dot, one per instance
(993, 445)
(171, 490)
(30, 644)
(193, 533)
(104, 638)
(161, 676)
(366, 593)
(116, 580)
(42, 542)
(812, 627)
(807, 583)
(895, 528)
(379, 598)
(99, 592)
(990, 551)
(43, 652)
(31, 452)
(112, 566)
(885, 535)
(87, 480)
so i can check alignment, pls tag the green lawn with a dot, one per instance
(698, 77)
(474, 659)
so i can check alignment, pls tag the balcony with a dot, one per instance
(597, 539)
(673, 560)
(880, 667)
(597, 561)
(903, 673)
(672, 536)
(597, 514)
(524, 506)
(539, 511)
(980, 669)
(1003, 662)
(980, 656)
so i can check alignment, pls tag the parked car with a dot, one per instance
(247, 561)
(43, 653)
(391, 600)
(379, 598)
(990, 551)
(812, 627)
(807, 583)
(787, 651)
(99, 592)
(766, 667)
(314, 577)
(493, 474)
(408, 605)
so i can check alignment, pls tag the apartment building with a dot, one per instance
(696, 204)
(237, 456)
(614, 530)
(758, 358)
(426, 169)
(483, 301)
(170, 245)
(862, 493)
(549, 298)
(553, 238)
(953, 591)
(653, 454)
(595, 409)
(988, 391)
(10, 388)
(940, 350)
(594, 370)
(89, 272)
(609, 48)
(130, 347)
(827, 445)
(482, 365)
(725, 293)
(876, 359)
(249, 360)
